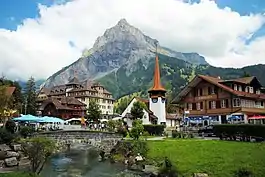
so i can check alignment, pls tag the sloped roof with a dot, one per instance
(10, 90)
(61, 103)
(243, 80)
(71, 100)
(219, 83)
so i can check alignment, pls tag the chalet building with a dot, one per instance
(210, 97)
(83, 92)
(63, 107)
(155, 111)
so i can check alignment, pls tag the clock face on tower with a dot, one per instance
(154, 100)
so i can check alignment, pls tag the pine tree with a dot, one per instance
(93, 111)
(30, 97)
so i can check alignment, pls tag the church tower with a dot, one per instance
(157, 99)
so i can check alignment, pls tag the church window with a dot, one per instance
(163, 100)
(154, 100)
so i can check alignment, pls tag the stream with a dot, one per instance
(82, 161)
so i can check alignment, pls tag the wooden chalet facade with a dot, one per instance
(207, 96)
(63, 107)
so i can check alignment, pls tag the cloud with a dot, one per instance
(55, 39)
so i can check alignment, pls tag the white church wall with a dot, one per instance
(159, 109)
(145, 118)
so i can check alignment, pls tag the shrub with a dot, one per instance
(26, 131)
(242, 130)
(123, 131)
(137, 129)
(10, 126)
(154, 129)
(167, 169)
(38, 150)
(175, 134)
(243, 172)
(5, 136)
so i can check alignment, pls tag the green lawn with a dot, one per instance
(15, 174)
(217, 158)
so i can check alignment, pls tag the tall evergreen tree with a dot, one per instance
(137, 111)
(93, 111)
(30, 97)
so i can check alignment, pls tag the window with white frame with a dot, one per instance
(251, 90)
(190, 106)
(198, 106)
(235, 87)
(223, 104)
(236, 102)
(240, 88)
(213, 104)
(257, 91)
(246, 89)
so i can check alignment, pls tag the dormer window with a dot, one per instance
(235, 87)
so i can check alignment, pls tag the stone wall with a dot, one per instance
(102, 140)
(10, 155)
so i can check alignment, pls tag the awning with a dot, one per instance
(256, 117)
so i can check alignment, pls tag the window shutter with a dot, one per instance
(227, 103)
(218, 104)
(210, 105)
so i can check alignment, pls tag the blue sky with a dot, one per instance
(13, 12)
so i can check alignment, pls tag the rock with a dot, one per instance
(4, 147)
(12, 154)
(10, 162)
(2, 163)
(150, 169)
(200, 175)
(2, 155)
(16, 147)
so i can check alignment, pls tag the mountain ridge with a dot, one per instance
(122, 60)
(120, 45)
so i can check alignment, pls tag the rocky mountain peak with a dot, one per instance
(123, 22)
(124, 32)
(121, 47)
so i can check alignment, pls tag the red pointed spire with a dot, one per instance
(157, 83)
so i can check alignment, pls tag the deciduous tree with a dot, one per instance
(38, 150)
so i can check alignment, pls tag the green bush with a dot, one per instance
(154, 129)
(243, 172)
(16, 174)
(137, 129)
(167, 169)
(242, 130)
(6, 137)
(10, 126)
(175, 134)
(26, 131)
(123, 131)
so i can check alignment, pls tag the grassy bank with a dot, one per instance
(217, 158)
(17, 174)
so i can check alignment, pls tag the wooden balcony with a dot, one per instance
(201, 98)
(208, 112)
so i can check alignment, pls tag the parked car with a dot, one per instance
(206, 131)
